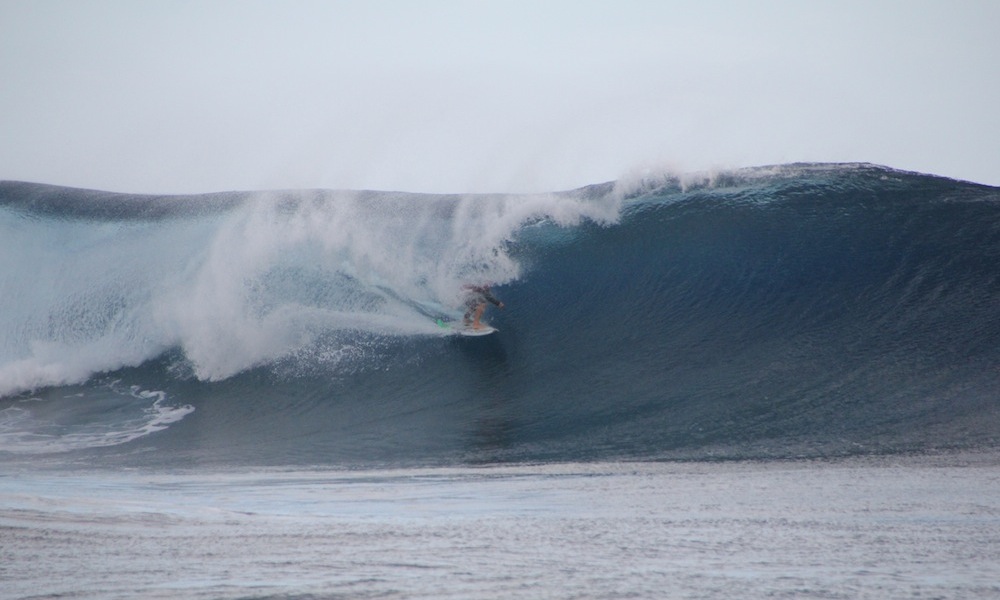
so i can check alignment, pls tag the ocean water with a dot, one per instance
(769, 382)
(852, 528)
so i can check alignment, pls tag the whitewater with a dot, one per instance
(777, 381)
(236, 281)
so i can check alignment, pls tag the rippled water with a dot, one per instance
(861, 528)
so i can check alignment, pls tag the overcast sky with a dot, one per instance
(172, 96)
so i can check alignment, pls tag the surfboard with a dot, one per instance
(484, 329)
(467, 330)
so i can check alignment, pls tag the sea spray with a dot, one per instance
(105, 281)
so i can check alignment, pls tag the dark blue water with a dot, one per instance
(805, 310)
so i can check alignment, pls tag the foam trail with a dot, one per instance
(134, 414)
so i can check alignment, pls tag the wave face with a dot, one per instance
(803, 310)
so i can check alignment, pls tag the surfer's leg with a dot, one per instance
(479, 313)
(470, 308)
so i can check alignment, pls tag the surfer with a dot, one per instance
(476, 297)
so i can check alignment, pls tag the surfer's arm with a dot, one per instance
(493, 299)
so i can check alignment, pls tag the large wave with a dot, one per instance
(780, 311)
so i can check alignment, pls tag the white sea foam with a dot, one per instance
(25, 430)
